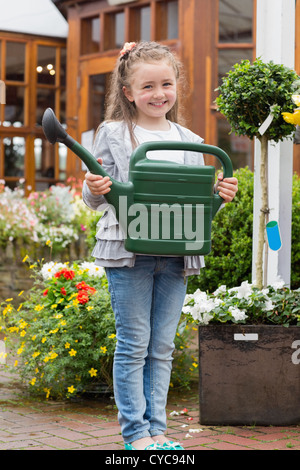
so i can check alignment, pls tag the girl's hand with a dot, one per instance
(97, 184)
(227, 188)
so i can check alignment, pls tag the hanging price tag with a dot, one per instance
(268, 121)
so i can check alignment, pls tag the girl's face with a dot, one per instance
(153, 89)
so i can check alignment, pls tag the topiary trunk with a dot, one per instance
(264, 215)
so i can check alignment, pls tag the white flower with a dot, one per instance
(237, 313)
(220, 290)
(243, 291)
(278, 283)
(204, 318)
(92, 269)
(268, 305)
(49, 269)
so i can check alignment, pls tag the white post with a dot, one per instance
(276, 42)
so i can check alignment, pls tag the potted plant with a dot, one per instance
(249, 354)
(254, 98)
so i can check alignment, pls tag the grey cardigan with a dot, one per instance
(115, 150)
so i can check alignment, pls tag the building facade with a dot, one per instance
(208, 36)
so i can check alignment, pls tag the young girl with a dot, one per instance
(147, 292)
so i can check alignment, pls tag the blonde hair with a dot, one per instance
(119, 108)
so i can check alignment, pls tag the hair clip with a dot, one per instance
(128, 46)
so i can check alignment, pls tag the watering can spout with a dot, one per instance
(55, 132)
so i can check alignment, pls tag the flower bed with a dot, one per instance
(63, 334)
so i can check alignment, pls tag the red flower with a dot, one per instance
(83, 297)
(63, 291)
(66, 273)
(45, 292)
(85, 287)
(81, 286)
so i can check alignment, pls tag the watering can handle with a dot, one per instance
(140, 154)
(141, 151)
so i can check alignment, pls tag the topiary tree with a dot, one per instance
(252, 98)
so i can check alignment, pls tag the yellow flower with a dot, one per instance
(33, 338)
(195, 364)
(25, 258)
(47, 391)
(36, 354)
(89, 307)
(23, 333)
(20, 293)
(292, 118)
(112, 336)
(71, 389)
(44, 339)
(93, 372)
(21, 348)
(32, 382)
(9, 300)
(53, 306)
(38, 308)
(16, 363)
(48, 243)
(63, 322)
(67, 345)
(72, 352)
(53, 331)
(103, 349)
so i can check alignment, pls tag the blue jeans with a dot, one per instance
(147, 301)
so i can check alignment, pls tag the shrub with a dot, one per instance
(63, 335)
(230, 260)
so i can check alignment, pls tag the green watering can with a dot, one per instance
(165, 208)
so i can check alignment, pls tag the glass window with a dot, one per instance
(235, 21)
(14, 108)
(229, 57)
(14, 152)
(238, 147)
(62, 117)
(145, 20)
(114, 30)
(62, 155)
(45, 99)
(44, 156)
(97, 99)
(90, 35)
(46, 65)
(120, 30)
(172, 9)
(63, 66)
(15, 61)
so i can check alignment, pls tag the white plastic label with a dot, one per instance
(246, 337)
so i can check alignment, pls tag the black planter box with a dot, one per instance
(249, 380)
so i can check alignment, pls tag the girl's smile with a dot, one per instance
(153, 89)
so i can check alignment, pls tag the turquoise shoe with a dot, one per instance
(154, 446)
(173, 446)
